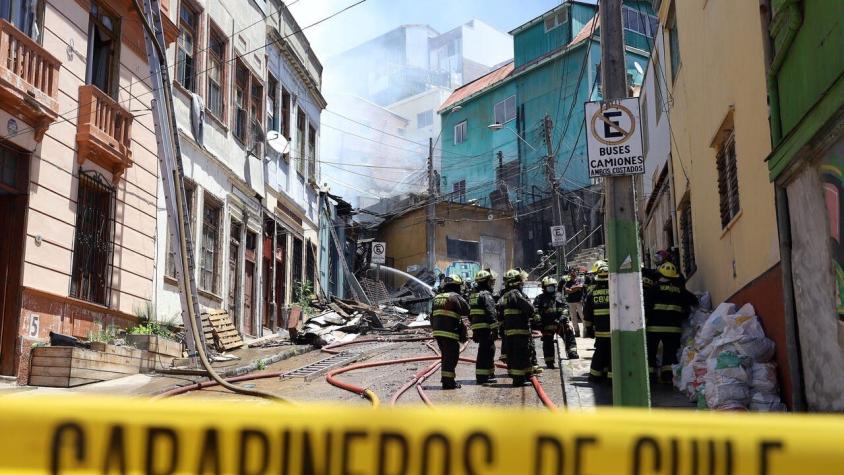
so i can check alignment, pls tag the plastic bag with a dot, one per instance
(726, 382)
(762, 401)
(763, 377)
(714, 325)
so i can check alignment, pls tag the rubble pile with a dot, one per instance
(726, 362)
(344, 320)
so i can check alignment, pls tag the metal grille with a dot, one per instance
(93, 247)
(317, 368)
(728, 181)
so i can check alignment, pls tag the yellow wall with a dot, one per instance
(722, 66)
(406, 235)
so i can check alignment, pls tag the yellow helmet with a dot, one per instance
(484, 276)
(602, 272)
(513, 277)
(453, 279)
(668, 269)
(596, 265)
(549, 281)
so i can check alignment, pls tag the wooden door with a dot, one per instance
(13, 205)
(267, 279)
(249, 285)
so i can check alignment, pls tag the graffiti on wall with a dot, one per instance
(832, 176)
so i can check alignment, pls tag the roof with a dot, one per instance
(469, 89)
(506, 71)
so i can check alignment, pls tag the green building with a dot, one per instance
(806, 96)
(555, 70)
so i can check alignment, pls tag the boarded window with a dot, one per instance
(93, 242)
(728, 191)
(687, 238)
(459, 249)
(505, 110)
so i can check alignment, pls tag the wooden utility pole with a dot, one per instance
(627, 323)
(432, 211)
(551, 172)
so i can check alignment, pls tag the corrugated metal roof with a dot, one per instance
(478, 85)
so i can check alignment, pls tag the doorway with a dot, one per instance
(249, 285)
(13, 205)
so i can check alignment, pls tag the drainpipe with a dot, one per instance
(772, 65)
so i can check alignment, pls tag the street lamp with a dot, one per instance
(498, 126)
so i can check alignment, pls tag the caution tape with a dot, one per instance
(97, 435)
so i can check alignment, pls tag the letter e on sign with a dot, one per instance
(379, 253)
(614, 138)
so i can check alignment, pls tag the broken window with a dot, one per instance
(459, 249)
(93, 240)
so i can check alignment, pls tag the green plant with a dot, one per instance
(149, 324)
(104, 335)
(303, 293)
(261, 365)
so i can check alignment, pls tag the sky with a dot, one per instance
(374, 17)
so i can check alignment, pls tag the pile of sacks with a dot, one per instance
(726, 361)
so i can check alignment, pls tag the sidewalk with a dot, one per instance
(151, 384)
(583, 394)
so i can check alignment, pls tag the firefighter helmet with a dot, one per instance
(668, 269)
(513, 277)
(484, 276)
(453, 279)
(596, 265)
(602, 272)
(549, 281)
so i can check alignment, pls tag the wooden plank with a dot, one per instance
(49, 371)
(49, 381)
(48, 362)
(116, 350)
(96, 374)
(52, 351)
(83, 354)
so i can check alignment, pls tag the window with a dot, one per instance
(639, 22)
(674, 43)
(93, 241)
(285, 113)
(25, 15)
(170, 260)
(424, 119)
(216, 73)
(312, 153)
(310, 266)
(643, 112)
(460, 132)
(272, 104)
(256, 109)
(103, 50)
(658, 89)
(241, 88)
(296, 266)
(234, 271)
(462, 250)
(459, 191)
(186, 49)
(728, 192)
(505, 111)
(687, 238)
(209, 252)
(300, 141)
(555, 20)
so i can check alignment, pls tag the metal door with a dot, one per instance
(493, 255)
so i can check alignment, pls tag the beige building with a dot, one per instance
(80, 172)
(723, 200)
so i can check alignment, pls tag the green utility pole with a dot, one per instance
(629, 358)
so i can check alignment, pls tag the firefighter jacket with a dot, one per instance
(516, 313)
(482, 311)
(667, 306)
(549, 307)
(596, 307)
(649, 278)
(447, 316)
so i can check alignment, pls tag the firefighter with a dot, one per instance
(596, 314)
(549, 306)
(517, 313)
(573, 288)
(589, 283)
(667, 306)
(448, 327)
(482, 314)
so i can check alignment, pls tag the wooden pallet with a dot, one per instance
(223, 332)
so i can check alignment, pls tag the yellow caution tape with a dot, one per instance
(99, 435)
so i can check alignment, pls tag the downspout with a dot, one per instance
(773, 63)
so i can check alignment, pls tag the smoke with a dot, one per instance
(367, 151)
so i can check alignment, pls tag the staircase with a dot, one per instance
(586, 257)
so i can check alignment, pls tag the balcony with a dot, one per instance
(29, 79)
(104, 131)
